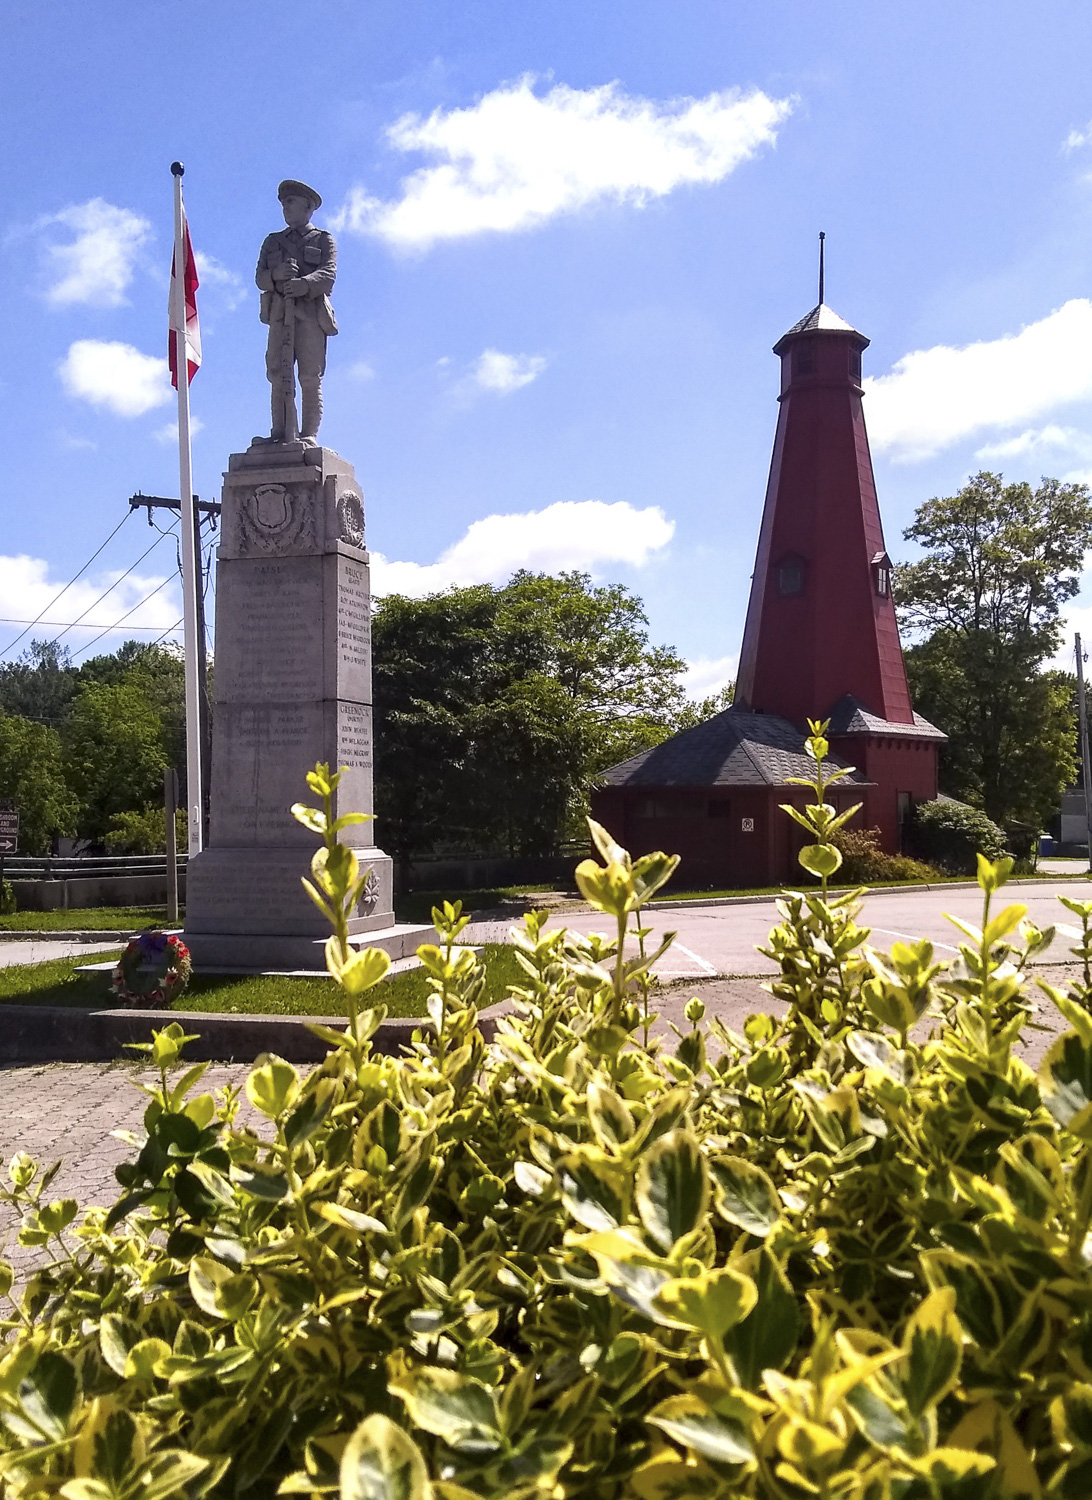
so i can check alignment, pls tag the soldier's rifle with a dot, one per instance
(288, 360)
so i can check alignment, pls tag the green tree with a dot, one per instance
(697, 710)
(495, 708)
(40, 684)
(985, 601)
(113, 745)
(159, 671)
(32, 774)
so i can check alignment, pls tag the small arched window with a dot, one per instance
(881, 574)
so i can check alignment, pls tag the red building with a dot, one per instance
(820, 641)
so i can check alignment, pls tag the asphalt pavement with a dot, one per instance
(723, 940)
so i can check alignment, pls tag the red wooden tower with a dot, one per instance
(821, 618)
(820, 642)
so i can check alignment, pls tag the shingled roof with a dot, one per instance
(821, 319)
(734, 748)
(849, 717)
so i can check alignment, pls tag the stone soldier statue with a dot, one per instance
(296, 270)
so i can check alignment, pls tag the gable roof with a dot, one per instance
(734, 748)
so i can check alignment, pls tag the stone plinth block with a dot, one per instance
(292, 686)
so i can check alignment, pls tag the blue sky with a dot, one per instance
(568, 235)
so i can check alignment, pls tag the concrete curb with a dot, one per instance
(868, 890)
(56, 1033)
(52, 935)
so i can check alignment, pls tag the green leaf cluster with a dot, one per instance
(984, 603)
(83, 749)
(496, 708)
(845, 1253)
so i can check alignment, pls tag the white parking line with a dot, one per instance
(703, 967)
(908, 938)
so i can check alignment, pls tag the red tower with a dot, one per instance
(820, 642)
(821, 619)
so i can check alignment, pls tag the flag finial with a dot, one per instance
(177, 169)
(822, 278)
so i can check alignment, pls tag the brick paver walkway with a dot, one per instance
(68, 1111)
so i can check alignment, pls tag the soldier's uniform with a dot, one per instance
(313, 254)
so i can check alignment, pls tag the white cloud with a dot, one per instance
(936, 397)
(168, 433)
(570, 534)
(706, 675)
(504, 373)
(360, 370)
(1035, 440)
(1077, 138)
(1077, 617)
(26, 589)
(211, 272)
(71, 441)
(516, 158)
(97, 265)
(115, 376)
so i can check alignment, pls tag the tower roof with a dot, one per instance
(821, 319)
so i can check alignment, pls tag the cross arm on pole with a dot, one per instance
(157, 502)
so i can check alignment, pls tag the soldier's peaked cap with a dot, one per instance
(290, 188)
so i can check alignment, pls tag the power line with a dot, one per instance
(68, 623)
(166, 633)
(110, 590)
(125, 616)
(67, 586)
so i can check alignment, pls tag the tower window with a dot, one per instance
(790, 575)
(855, 363)
(803, 360)
(881, 574)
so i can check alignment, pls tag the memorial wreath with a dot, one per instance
(153, 969)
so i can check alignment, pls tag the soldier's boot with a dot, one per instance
(311, 393)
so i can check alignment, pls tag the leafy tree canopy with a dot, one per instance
(40, 684)
(32, 774)
(114, 755)
(985, 601)
(495, 707)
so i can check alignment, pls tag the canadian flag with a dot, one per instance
(182, 312)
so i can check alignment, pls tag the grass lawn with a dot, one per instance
(416, 906)
(86, 919)
(56, 983)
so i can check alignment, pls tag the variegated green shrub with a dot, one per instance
(843, 1255)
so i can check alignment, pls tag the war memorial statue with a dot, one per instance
(293, 680)
(296, 271)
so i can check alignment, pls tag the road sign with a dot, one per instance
(9, 828)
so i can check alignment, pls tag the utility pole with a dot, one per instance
(170, 807)
(212, 509)
(1086, 768)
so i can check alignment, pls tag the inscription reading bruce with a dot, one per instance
(354, 614)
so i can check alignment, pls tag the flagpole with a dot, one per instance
(189, 550)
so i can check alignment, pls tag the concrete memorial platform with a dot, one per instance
(292, 687)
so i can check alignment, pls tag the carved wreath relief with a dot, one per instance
(350, 515)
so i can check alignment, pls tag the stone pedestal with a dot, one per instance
(292, 686)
